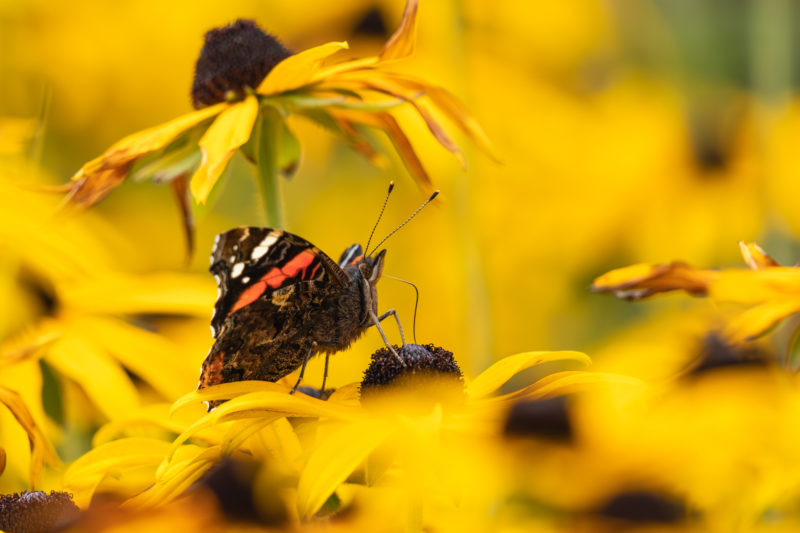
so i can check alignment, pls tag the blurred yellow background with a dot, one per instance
(629, 131)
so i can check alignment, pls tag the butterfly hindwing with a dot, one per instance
(250, 263)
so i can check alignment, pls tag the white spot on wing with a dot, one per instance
(232, 259)
(237, 270)
(263, 247)
(246, 279)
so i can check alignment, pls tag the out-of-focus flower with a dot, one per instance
(412, 429)
(772, 291)
(74, 327)
(248, 98)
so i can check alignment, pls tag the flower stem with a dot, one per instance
(267, 167)
(269, 189)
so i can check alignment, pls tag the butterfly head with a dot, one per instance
(370, 267)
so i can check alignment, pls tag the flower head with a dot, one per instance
(246, 84)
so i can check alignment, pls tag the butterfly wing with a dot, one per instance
(251, 263)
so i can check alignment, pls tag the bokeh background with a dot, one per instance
(629, 131)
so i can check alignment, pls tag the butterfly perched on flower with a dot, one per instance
(282, 300)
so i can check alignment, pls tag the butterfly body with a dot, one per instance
(282, 300)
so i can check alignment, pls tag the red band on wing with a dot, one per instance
(275, 278)
(355, 260)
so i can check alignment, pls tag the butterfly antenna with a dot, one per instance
(416, 304)
(380, 215)
(426, 202)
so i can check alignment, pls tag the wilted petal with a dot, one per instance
(228, 132)
(386, 86)
(450, 106)
(401, 44)
(299, 69)
(755, 257)
(102, 174)
(88, 190)
(335, 459)
(496, 375)
(180, 187)
(41, 449)
(640, 281)
(389, 125)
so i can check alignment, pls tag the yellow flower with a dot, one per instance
(411, 437)
(73, 327)
(772, 291)
(341, 97)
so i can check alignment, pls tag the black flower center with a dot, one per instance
(430, 372)
(233, 58)
(36, 511)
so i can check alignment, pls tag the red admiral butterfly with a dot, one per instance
(282, 300)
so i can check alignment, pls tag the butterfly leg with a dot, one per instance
(377, 323)
(303, 368)
(393, 313)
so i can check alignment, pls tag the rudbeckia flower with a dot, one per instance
(246, 84)
(75, 327)
(407, 425)
(772, 291)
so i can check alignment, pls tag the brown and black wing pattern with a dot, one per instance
(250, 263)
(271, 285)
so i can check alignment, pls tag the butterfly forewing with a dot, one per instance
(251, 263)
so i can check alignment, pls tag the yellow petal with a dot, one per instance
(755, 286)
(299, 69)
(496, 375)
(150, 416)
(760, 319)
(164, 293)
(642, 280)
(334, 460)
(101, 377)
(226, 391)
(755, 257)
(228, 132)
(41, 449)
(562, 383)
(387, 86)
(144, 142)
(450, 106)
(390, 126)
(87, 472)
(401, 44)
(149, 355)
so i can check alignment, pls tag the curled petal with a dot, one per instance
(385, 85)
(88, 190)
(401, 44)
(228, 132)
(102, 174)
(450, 106)
(299, 69)
(755, 257)
(496, 375)
(390, 126)
(640, 281)
(41, 450)
(180, 187)
(758, 320)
